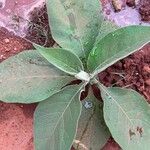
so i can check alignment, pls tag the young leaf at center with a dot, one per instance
(62, 59)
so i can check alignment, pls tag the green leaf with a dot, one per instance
(127, 114)
(107, 27)
(62, 59)
(28, 77)
(74, 24)
(55, 120)
(117, 45)
(92, 132)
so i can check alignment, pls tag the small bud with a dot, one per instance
(82, 75)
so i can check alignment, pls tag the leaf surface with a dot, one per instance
(127, 114)
(107, 26)
(62, 59)
(28, 78)
(92, 131)
(74, 24)
(55, 120)
(117, 45)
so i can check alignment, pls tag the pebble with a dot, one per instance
(147, 82)
(117, 4)
(7, 40)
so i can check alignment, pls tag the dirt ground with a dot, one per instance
(131, 72)
(16, 121)
(144, 10)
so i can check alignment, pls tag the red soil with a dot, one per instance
(131, 72)
(144, 10)
(11, 45)
(16, 120)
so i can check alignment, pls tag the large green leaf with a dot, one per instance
(55, 120)
(127, 114)
(62, 59)
(28, 77)
(92, 132)
(117, 45)
(74, 23)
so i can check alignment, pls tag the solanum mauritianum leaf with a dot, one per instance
(106, 27)
(74, 24)
(55, 120)
(92, 132)
(62, 59)
(117, 45)
(28, 78)
(127, 114)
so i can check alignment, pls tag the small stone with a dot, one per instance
(21, 106)
(8, 11)
(136, 73)
(131, 3)
(7, 50)
(16, 2)
(7, 40)
(1, 56)
(148, 82)
(15, 48)
(146, 68)
(117, 4)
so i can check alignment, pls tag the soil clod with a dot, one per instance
(117, 4)
(144, 10)
(131, 3)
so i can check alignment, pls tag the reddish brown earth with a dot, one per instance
(144, 10)
(131, 72)
(16, 120)
(11, 45)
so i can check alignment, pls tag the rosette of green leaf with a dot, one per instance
(62, 59)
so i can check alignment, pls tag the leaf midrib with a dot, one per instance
(64, 64)
(30, 77)
(65, 110)
(108, 93)
(62, 115)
